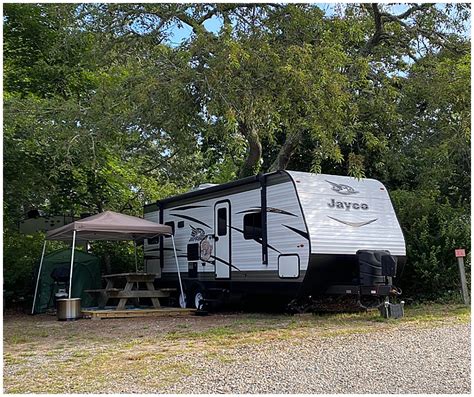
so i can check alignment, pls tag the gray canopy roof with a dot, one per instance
(109, 225)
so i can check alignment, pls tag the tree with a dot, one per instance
(240, 73)
(74, 140)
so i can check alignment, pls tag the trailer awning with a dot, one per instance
(109, 225)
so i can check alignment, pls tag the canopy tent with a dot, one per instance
(107, 225)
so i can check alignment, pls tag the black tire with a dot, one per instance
(198, 293)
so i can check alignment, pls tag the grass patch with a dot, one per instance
(18, 339)
(436, 315)
(132, 343)
(81, 353)
(253, 329)
(28, 354)
(225, 359)
(9, 359)
(342, 332)
(177, 369)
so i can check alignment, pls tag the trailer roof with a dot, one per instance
(213, 189)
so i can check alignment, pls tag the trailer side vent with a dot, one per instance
(192, 269)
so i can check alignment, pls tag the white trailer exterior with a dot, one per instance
(306, 241)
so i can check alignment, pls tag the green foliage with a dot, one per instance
(21, 256)
(120, 255)
(45, 54)
(433, 229)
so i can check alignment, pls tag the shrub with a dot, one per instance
(433, 228)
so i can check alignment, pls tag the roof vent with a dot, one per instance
(204, 186)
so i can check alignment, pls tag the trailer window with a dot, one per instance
(253, 226)
(171, 223)
(222, 221)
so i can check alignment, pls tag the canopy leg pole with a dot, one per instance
(38, 278)
(136, 266)
(177, 268)
(72, 262)
(136, 263)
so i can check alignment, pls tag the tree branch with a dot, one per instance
(379, 35)
(410, 11)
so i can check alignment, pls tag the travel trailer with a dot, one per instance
(285, 234)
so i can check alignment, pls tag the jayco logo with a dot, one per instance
(347, 205)
(342, 189)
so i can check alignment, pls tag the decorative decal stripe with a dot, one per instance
(269, 209)
(188, 207)
(253, 209)
(157, 257)
(353, 224)
(300, 232)
(190, 218)
(279, 211)
(225, 262)
(256, 240)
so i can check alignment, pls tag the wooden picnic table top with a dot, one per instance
(127, 275)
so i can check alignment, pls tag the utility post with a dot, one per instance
(460, 254)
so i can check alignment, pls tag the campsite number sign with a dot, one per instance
(460, 254)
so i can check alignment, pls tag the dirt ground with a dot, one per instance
(144, 355)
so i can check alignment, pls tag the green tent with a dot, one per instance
(86, 276)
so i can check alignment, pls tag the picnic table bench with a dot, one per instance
(131, 289)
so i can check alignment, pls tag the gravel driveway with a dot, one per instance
(405, 360)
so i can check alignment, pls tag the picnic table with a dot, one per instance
(131, 289)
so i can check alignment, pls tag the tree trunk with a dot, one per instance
(254, 154)
(108, 265)
(286, 150)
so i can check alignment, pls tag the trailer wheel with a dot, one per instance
(198, 297)
(196, 293)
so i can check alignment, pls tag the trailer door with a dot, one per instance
(222, 239)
